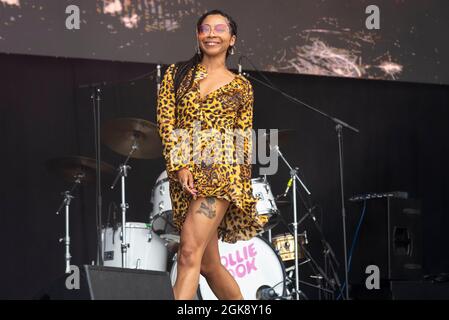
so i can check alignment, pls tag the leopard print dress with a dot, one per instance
(228, 107)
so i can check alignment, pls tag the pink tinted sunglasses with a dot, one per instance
(218, 28)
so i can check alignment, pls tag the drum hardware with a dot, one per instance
(171, 242)
(292, 182)
(66, 203)
(78, 171)
(319, 280)
(150, 227)
(282, 203)
(289, 282)
(122, 174)
(74, 167)
(329, 255)
(339, 125)
(135, 138)
(334, 284)
(151, 223)
(96, 90)
(114, 217)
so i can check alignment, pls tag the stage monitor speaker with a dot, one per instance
(108, 283)
(390, 237)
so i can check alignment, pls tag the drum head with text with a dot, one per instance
(252, 263)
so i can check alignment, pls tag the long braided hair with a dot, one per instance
(182, 68)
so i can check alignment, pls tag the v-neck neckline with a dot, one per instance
(204, 70)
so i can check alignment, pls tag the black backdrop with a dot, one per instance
(402, 146)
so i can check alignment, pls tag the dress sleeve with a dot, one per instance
(166, 121)
(244, 122)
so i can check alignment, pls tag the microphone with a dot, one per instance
(266, 293)
(289, 184)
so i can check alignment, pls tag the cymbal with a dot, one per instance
(120, 135)
(285, 136)
(69, 168)
(283, 203)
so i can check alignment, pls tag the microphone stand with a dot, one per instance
(339, 125)
(96, 99)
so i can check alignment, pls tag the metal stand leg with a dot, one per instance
(295, 228)
(66, 203)
(124, 207)
(123, 173)
(66, 239)
(339, 130)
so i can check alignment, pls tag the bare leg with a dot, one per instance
(202, 220)
(221, 282)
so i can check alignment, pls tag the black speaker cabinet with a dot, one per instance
(390, 237)
(108, 283)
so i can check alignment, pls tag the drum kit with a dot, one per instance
(258, 265)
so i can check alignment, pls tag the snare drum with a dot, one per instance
(285, 245)
(146, 249)
(253, 264)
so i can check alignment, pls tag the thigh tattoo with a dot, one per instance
(207, 207)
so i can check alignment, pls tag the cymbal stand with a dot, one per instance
(313, 263)
(123, 173)
(294, 177)
(329, 255)
(66, 203)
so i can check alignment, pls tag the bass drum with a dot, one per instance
(253, 264)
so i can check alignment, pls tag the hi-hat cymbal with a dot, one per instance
(285, 137)
(282, 203)
(71, 168)
(122, 134)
